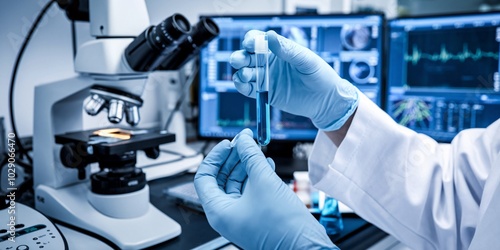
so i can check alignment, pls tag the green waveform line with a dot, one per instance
(444, 56)
(238, 123)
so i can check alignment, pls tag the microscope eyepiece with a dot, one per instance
(203, 32)
(177, 25)
(168, 31)
(150, 48)
(170, 44)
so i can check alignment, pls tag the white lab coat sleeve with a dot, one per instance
(425, 194)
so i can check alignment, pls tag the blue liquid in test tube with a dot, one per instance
(262, 84)
(263, 118)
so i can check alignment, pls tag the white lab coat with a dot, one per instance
(427, 195)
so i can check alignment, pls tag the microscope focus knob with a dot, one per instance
(153, 152)
(115, 112)
(73, 156)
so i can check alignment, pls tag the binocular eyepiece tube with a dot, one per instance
(170, 44)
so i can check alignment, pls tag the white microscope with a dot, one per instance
(112, 202)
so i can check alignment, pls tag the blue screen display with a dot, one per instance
(443, 73)
(351, 44)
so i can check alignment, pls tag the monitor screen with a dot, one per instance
(443, 73)
(351, 44)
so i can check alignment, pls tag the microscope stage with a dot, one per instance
(115, 140)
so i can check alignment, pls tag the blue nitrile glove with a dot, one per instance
(247, 203)
(301, 82)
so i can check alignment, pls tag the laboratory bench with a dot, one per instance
(357, 233)
(196, 231)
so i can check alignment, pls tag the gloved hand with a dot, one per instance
(301, 82)
(247, 203)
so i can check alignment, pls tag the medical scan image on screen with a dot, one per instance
(351, 44)
(443, 73)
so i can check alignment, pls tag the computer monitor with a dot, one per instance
(351, 44)
(443, 73)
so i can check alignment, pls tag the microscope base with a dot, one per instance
(69, 205)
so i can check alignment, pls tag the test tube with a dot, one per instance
(262, 87)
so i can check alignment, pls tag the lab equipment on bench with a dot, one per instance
(111, 201)
(26, 228)
(262, 83)
(330, 216)
(326, 208)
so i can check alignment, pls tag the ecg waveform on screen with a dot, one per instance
(445, 56)
(245, 121)
(413, 111)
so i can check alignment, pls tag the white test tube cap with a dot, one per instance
(261, 45)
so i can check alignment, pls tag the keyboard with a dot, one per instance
(184, 194)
